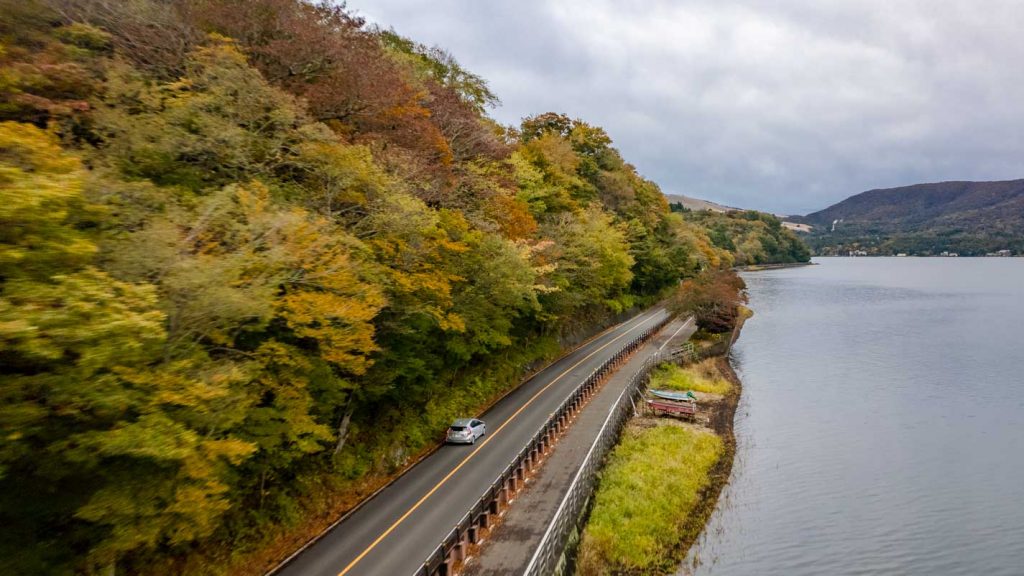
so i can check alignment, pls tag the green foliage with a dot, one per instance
(497, 288)
(442, 67)
(85, 397)
(568, 166)
(41, 186)
(220, 123)
(968, 218)
(249, 261)
(872, 240)
(590, 263)
(652, 480)
(754, 237)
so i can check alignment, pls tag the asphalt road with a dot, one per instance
(394, 532)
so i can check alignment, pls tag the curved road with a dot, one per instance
(394, 532)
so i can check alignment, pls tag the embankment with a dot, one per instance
(661, 483)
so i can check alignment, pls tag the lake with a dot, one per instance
(881, 428)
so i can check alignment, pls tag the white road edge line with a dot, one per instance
(313, 541)
(685, 324)
(647, 316)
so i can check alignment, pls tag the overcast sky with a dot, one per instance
(786, 105)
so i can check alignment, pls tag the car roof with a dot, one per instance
(463, 422)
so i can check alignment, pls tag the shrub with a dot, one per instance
(713, 299)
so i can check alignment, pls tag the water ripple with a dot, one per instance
(882, 425)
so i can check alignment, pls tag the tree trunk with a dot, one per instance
(343, 426)
(263, 486)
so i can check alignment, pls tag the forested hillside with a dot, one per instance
(751, 237)
(971, 218)
(252, 261)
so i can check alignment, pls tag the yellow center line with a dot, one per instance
(490, 437)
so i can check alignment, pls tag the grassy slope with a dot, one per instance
(702, 377)
(653, 480)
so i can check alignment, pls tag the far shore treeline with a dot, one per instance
(254, 259)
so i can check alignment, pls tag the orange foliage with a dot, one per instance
(327, 57)
(513, 217)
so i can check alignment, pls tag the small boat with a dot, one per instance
(683, 409)
(673, 395)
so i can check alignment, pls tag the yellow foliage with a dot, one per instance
(325, 296)
(39, 184)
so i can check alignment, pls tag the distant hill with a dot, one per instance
(698, 204)
(970, 218)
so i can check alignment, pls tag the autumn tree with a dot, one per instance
(140, 448)
(590, 264)
(250, 258)
(713, 299)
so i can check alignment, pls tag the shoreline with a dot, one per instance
(721, 473)
(777, 266)
(721, 422)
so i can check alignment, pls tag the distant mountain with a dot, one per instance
(970, 218)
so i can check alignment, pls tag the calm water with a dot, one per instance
(881, 429)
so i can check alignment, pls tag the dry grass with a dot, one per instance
(700, 377)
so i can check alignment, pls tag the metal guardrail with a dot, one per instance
(452, 547)
(549, 557)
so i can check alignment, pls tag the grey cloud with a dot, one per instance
(785, 106)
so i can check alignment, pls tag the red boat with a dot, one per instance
(683, 409)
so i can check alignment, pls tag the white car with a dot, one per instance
(466, 431)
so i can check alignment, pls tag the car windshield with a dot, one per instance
(458, 428)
